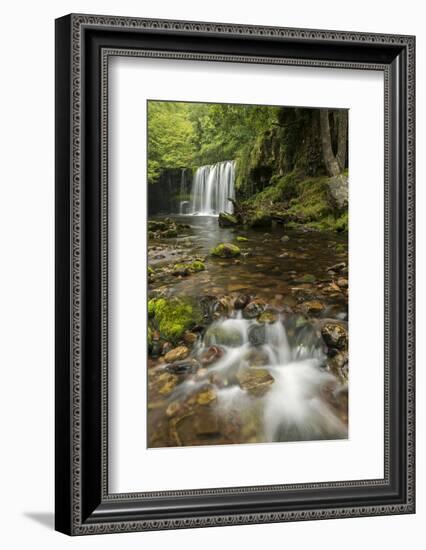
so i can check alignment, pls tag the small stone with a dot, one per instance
(173, 408)
(190, 338)
(335, 335)
(168, 383)
(285, 238)
(177, 354)
(241, 239)
(337, 267)
(342, 282)
(183, 367)
(312, 307)
(206, 396)
(253, 309)
(268, 316)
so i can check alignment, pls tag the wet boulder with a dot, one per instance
(255, 381)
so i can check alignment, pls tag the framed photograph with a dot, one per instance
(234, 274)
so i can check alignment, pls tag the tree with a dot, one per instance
(334, 163)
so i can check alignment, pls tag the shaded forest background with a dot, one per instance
(291, 163)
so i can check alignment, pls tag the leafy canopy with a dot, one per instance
(193, 134)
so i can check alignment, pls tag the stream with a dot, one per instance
(265, 368)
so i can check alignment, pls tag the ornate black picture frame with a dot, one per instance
(83, 45)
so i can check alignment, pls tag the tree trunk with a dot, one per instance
(342, 138)
(330, 160)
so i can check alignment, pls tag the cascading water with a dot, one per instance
(269, 382)
(212, 187)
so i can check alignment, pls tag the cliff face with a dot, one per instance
(172, 187)
(292, 145)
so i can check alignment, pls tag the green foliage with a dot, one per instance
(311, 202)
(182, 135)
(170, 137)
(173, 316)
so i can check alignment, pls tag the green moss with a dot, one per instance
(225, 250)
(258, 217)
(306, 279)
(181, 269)
(197, 265)
(242, 239)
(227, 220)
(149, 336)
(174, 316)
(151, 307)
(150, 270)
(312, 202)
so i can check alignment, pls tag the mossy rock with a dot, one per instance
(225, 250)
(174, 316)
(197, 266)
(187, 269)
(259, 219)
(241, 239)
(227, 220)
(305, 279)
(181, 269)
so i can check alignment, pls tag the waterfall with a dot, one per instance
(212, 187)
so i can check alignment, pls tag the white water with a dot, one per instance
(212, 187)
(294, 408)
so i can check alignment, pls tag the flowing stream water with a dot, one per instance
(298, 397)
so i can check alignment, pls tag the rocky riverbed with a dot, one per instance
(247, 333)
